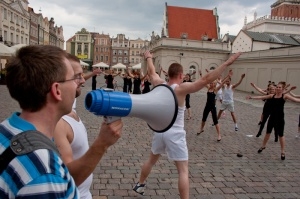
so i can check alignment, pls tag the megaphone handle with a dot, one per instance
(110, 119)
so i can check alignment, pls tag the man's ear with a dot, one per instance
(56, 91)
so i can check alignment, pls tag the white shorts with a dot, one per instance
(227, 105)
(173, 143)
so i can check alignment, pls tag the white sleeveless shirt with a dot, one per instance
(79, 147)
(227, 94)
(179, 122)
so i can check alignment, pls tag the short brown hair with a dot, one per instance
(174, 70)
(31, 73)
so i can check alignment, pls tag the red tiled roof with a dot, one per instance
(71, 38)
(194, 22)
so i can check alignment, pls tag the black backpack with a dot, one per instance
(23, 143)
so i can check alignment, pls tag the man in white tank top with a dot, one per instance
(228, 102)
(71, 139)
(173, 141)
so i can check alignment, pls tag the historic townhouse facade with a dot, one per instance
(102, 49)
(120, 50)
(14, 22)
(20, 24)
(135, 50)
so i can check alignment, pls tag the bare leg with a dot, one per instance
(266, 139)
(183, 181)
(220, 113)
(218, 131)
(233, 117)
(202, 126)
(147, 167)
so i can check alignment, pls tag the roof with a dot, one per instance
(272, 38)
(71, 38)
(194, 22)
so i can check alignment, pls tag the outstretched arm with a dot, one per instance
(294, 99)
(207, 78)
(95, 71)
(239, 82)
(260, 97)
(294, 95)
(259, 89)
(154, 78)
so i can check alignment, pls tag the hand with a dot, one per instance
(230, 73)
(110, 133)
(293, 88)
(252, 84)
(147, 54)
(248, 97)
(243, 75)
(206, 70)
(96, 71)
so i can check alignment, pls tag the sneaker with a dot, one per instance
(139, 188)
(236, 128)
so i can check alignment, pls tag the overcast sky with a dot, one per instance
(138, 18)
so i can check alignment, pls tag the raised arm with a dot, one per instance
(116, 74)
(294, 99)
(221, 83)
(289, 90)
(154, 78)
(258, 89)
(239, 82)
(129, 72)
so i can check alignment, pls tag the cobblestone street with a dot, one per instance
(215, 170)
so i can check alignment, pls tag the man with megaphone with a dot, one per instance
(173, 141)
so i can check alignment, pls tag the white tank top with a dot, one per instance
(179, 122)
(227, 94)
(79, 147)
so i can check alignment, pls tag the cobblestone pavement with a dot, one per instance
(215, 171)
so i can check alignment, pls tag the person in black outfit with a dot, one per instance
(276, 119)
(147, 84)
(187, 97)
(137, 79)
(211, 105)
(110, 78)
(94, 82)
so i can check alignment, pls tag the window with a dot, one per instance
(78, 48)
(106, 58)
(125, 52)
(120, 59)
(83, 37)
(114, 52)
(137, 53)
(132, 52)
(101, 58)
(86, 49)
(11, 37)
(132, 60)
(125, 60)
(137, 60)
(120, 52)
(97, 58)
(17, 39)
(22, 40)
(96, 49)
(132, 45)
(136, 45)
(5, 35)
(114, 60)
(5, 13)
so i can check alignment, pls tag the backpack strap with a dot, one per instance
(23, 143)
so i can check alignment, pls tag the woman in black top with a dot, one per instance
(137, 79)
(276, 119)
(110, 78)
(211, 105)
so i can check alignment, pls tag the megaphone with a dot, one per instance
(158, 108)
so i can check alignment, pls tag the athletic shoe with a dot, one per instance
(236, 128)
(139, 188)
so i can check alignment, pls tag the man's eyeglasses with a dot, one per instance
(77, 78)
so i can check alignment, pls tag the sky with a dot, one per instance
(138, 18)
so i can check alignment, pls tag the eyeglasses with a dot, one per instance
(77, 78)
